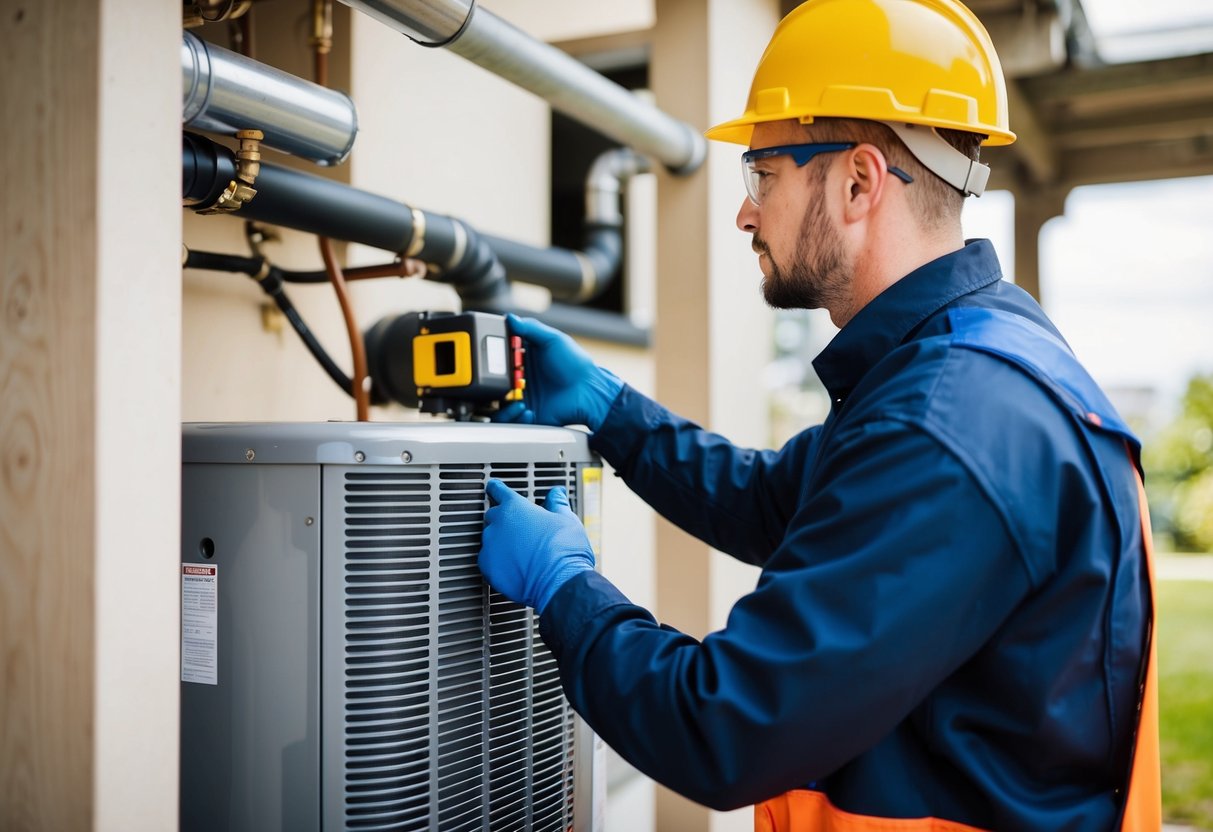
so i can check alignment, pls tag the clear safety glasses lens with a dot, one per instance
(800, 153)
(755, 179)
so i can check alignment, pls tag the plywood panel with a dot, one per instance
(89, 434)
(48, 69)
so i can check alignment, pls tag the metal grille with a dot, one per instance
(454, 715)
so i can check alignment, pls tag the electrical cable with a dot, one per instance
(269, 278)
(357, 347)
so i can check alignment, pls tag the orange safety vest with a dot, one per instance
(811, 811)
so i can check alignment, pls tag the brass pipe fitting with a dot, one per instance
(248, 164)
(321, 39)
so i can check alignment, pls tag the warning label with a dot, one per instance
(200, 624)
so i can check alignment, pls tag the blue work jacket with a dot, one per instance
(950, 617)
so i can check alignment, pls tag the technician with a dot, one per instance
(952, 624)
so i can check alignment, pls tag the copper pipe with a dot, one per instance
(361, 395)
(400, 268)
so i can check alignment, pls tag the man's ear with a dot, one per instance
(867, 175)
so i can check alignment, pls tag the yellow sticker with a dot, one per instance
(591, 506)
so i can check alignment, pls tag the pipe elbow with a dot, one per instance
(605, 182)
(479, 277)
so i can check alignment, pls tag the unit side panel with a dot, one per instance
(250, 742)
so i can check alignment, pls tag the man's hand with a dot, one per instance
(528, 552)
(564, 385)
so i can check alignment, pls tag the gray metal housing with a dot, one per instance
(366, 676)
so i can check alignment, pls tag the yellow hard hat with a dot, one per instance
(908, 62)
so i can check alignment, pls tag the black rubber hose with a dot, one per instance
(271, 284)
(215, 262)
(304, 277)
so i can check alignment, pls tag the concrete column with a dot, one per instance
(1034, 206)
(713, 332)
(90, 390)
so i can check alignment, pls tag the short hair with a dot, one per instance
(934, 201)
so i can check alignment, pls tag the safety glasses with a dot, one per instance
(755, 179)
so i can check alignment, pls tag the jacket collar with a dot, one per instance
(887, 320)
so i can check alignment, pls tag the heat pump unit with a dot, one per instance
(343, 664)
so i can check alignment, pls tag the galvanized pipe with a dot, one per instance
(427, 22)
(567, 84)
(223, 92)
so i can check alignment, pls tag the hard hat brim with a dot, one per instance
(741, 130)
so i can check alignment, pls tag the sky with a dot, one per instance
(1129, 30)
(1127, 272)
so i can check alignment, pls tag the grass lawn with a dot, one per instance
(1185, 659)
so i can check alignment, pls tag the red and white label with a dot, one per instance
(200, 624)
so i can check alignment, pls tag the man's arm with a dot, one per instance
(734, 499)
(737, 500)
(888, 581)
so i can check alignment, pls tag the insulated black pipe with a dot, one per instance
(206, 169)
(455, 252)
(296, 200)
(592, 323)
(570, 275)
(321, 206)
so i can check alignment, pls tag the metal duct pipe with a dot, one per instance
(423, 21)
(567, 84)
(224, 92)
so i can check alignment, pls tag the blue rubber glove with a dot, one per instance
(528, 551)
(564, 386)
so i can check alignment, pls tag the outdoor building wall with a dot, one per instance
(441, 134)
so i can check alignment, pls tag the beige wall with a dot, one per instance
(90, 599)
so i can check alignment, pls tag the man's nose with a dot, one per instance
(747, 216)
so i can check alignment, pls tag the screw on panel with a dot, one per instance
(359, 456)
(560, 454)
(307, 521)
(405, 456)
(250, 454)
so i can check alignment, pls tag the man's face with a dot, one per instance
(802, 253)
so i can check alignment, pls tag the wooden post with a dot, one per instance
(89, 402)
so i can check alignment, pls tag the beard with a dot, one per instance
(819, 276)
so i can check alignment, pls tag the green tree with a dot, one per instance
(1179, 472)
